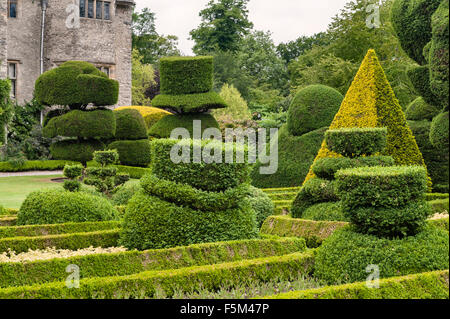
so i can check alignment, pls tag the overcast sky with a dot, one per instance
(287, 19)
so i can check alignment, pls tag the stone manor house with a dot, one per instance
(38, 35)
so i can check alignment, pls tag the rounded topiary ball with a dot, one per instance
(152, 223)
(130, 125)
(261, 203)
(55, 206)
(312, 108)
(344, 256)
(420, 110)
(439, 131)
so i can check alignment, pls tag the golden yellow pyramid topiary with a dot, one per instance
(371, 102)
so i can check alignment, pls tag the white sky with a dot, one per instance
(286, 19)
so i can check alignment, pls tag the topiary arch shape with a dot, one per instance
(371, 102)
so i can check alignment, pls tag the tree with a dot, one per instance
(148, 42)
(292, 50)
(142, 78)
(224, 24)
(237, 107)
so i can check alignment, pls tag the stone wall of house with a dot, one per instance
(3, 38)
(100, 42)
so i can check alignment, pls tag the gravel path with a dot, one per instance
(32, 173)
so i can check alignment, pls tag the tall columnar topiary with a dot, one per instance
(358, 148)
(5, 108)
(371, 102)
(77, 84)
(131, 138)
(310, 113)
(186, 89)
(189, 201)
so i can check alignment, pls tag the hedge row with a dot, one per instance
(57, 229)
(430, 285)
(146, 284)
(314, 232)
(104, 238)
(8, 220)
(441, 223)
(35, 166)
(134, 172)
(439, 205)
(433, 196)
(130, 262)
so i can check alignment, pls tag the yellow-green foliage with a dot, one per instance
(151, 114)
(237, 107)
(143, 76)
(371, 102)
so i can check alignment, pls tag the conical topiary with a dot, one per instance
(371, 102)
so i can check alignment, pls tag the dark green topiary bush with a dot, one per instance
(261, 203)
(295, 156)
(209, 177)
(164, 127)
(76, 84)
(133, 153)
(420, 110)
(86, 124)
(354, 142)
(312, 108)
(54, 206)
(345, 255)
(439, 131)
(75, 150)
(130, 125)
(189, 103)
(154, 223)
(420, 78)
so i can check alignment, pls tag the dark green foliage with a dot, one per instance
(73, 171)
(344, 256)
(85, 124)
(390, 222)
(133, 153)
(420, 110)
(420, 78)
(439, 131)
(312, 108)
(379, 187)
(5, 107)
(59, 206)
(189, 103)
(436, 158)
(75, 150)
(186, 75)
(130, 125)
(34, 166)
(76, 84)
(209, 177)
(412, 22)
(125, 192)
(328, 166)
(295, 156)
(331, 211)
(72, 185)
(439, 54)
(314, 191)
(354, 142)
(164, 127)
(153, 223)
(106, 158)
(262, 204)
(188, 196)
(54, 113)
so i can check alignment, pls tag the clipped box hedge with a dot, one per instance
(35, 166)
(8, 220)
(57, 229)
(104, 238)
(354, 142)
(440, 205)
(147, 284)
(190, 103)
(392, 186)
(429, 285)
(132, 152)
(130, 262)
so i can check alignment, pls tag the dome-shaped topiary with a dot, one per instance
(151, 114)
(76, 84)
(439, 131)
(130, 125)
(312, 108)
(420, 110)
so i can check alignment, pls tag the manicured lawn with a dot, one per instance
(13, 190)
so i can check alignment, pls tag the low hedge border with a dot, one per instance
(104, 238)
(439, 205)
(8, 220)
(134, 172)
(434, 196)
(56, 229)
(35, 166)
(147, 284)
(430, 285)
(131, 262)
(314, 232)
(441, 223)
